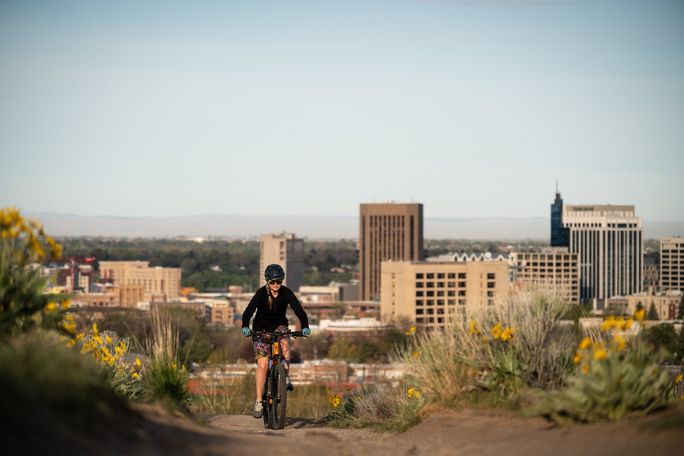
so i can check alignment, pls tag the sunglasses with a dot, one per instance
(275, 282)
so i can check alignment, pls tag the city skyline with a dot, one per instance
(474, 109)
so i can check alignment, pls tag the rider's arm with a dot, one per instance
(299, 310)
(249, 311)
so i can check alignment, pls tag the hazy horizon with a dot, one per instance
(330, 227)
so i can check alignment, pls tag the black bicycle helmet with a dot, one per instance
(274, 272)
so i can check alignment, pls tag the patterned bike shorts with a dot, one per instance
(262, 348)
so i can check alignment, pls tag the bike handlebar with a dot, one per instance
(271, 335)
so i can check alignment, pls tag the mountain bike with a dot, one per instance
(274, 399)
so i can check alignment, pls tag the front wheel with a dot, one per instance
(280, 400)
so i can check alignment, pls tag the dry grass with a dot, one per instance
(469, 356)
(237, 398)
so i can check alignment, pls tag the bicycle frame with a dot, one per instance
(274, 399)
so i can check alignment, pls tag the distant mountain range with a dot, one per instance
(251, 226)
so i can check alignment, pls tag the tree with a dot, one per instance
(652, 313)
(664, 336)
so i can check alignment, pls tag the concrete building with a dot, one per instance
(129, 295)
(428, 294)
(608, 242)
(286, 250)
(95, 300)
(672, 263)
(220, 312)
(387, 231)
(665, 303)
(160, 284)
(554, 267)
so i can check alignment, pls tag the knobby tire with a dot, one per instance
(280, 402)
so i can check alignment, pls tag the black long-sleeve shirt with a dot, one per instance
(269, 319)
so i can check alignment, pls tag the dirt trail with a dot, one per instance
(469, 432)
(155, 431)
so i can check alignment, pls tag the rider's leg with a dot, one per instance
(262, 367)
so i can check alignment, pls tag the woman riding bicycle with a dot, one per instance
(270, 303)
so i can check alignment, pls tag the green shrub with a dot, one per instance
(23, 306)
(167, 382)
(166, 379)
(43, 381)
(617, 376)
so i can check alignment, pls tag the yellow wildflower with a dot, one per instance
(627, 324)
(620, 343)
(95, 331)
(608, 324)
(586, 342)
(600, 354)
(415, 354)
(414, 393)
(109, 340)
(496, 331)
(472, 328)
(138, 363)
(678, 378)
(585, 368)
(71, 343)
(335, 401)
(135, 375)
(577, 359)
(507, 334)
(51, 306)
(411, 331)
(639, 315)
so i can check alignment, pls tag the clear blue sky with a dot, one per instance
(473, 108)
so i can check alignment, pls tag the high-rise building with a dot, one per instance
(652, 272)
(672, 263)
(429, 293)
(159, 284)
(387, 231)
(554, 268)
(559, 234)
(608, 241)
(286, 250)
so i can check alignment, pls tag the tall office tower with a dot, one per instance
(672, 263)
(286, 250)
(608, 240)
(387, 231)
(559, 234)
